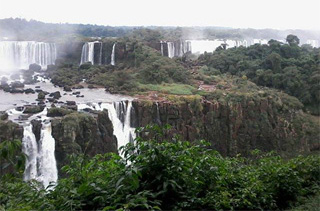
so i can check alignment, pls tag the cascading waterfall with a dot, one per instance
(40, 163)
(158, 120)
(47, 162)
(113, 55)
(120, 115)
(171, 49)
(20, 54)
(30, 149)
(87, 54)
(161, 47)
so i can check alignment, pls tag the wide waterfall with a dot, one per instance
(88, 53)
(40, 163)
(177, 49)
(113, 55)
(20, 54)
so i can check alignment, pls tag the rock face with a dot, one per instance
(10, 131)
(233, 128)
(82, 133)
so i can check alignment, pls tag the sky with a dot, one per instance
(276, 14)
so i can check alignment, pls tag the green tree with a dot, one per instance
(292, 40)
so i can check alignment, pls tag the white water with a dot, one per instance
(171, 49)
(120, 115)
(113, 55)
(30, 149)
(87, 54)
(47, 162)
(20, 54)
(161, 47)
(40, 163)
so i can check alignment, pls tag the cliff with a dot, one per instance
(90, 134)
(233, 127)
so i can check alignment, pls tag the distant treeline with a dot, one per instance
(21, 29)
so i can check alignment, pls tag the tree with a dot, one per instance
(292, 40)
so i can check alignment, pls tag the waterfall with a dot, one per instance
(120, 115)
(171, 49)
(161, 46)
(30, 149)
(40, 163)
(87, 54)
(47, 162)
(113, 55)
(20, 54)
(158, 120)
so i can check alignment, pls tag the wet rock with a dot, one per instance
(34, 67)
(52, 100)
(37, 87)
(58, 112)
(76, 93)
(67, 89)
(33, 109)
(55, 95)
(19, 108)
(71, 107)
(80, 96)
(71, 103)
(29, 91)
(79, 132)
(5, 87)
(23, 117)
(89, 110)
(3, 115)
(17, 84)
(36, 128)
(41, 103)
(78, 87)
(90, 86)
(15, 91)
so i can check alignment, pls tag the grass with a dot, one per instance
(176, 89)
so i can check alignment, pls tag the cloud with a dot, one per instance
(284, 14)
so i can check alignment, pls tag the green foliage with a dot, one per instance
(11, 159)
(173, 88)
(157, 69)
(290, 68)
(158, 173)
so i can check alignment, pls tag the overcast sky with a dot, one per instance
(277, 14)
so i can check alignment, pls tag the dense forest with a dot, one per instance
(287, 67)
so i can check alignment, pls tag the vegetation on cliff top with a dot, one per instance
(170, 174)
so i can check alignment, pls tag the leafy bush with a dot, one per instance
(163, 173)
